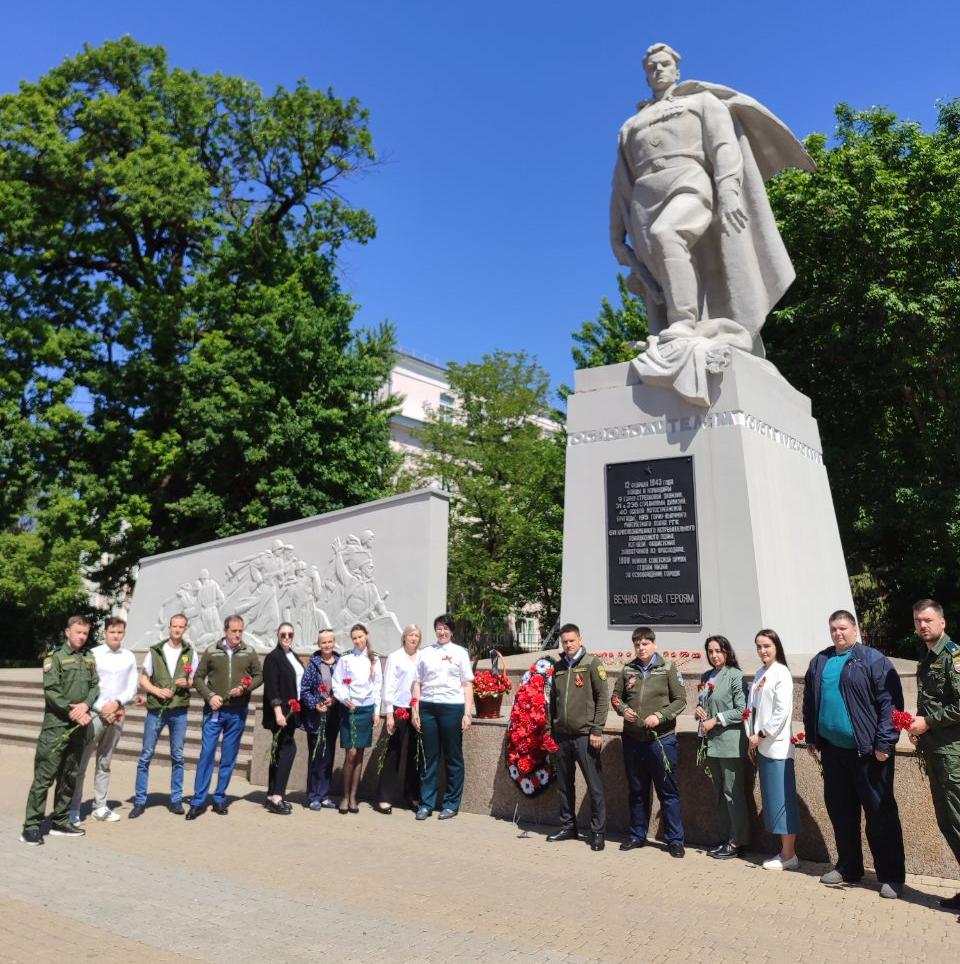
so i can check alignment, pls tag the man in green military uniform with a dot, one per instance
(578, 713)
(649, 695)
(936, 728)
(70, 687)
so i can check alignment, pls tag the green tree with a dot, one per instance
(177, 353)
(502, 455)
(611, 337)
(870, 330)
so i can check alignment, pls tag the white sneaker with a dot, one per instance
(778, 863)
(75, 818)
(105, 814)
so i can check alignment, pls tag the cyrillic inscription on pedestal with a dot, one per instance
(653, 571)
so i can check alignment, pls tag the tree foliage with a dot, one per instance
(176, 353)
(611, 337)
(870, 331)
(502, 456)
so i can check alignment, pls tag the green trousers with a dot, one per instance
(944, 772)
(56, 761)
(732, 823)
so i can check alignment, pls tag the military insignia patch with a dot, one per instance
(631, 682)
(956, 665)
(602, 671)
(47, 663)
(579, 680)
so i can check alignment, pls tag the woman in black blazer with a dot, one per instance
(282, 672)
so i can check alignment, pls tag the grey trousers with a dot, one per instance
(104, 742)
(575, 751)
(733, 824)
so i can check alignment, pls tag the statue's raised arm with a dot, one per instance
(689, 216)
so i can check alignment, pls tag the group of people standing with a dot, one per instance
(851, 699)
(335, 697)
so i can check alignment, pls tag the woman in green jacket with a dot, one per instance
(721, 700)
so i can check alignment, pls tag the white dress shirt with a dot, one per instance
(399, 675)
(771, 710)
(365, 680)
(442, 670)
(118, 674)
(172, 656)
(297, 667)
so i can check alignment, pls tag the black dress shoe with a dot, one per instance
(273, 807)
(676, 850)
(726, 852)
(567, 833)
(137, 811)
(951, 903)
(632, 844)
(597, 842)
(221, 808)
(195, 812)
(176, 808)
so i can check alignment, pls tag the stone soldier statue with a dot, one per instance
(690, 217)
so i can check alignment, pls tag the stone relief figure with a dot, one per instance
(273, 585)
(689, 216)
(210, 600)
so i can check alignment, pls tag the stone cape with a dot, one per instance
(742, 275)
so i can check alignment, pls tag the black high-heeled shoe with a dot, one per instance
(386, 810)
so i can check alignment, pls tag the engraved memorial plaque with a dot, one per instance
(653, 571)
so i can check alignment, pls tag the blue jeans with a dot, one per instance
(176, 723)
(230, 721)
(643, 762)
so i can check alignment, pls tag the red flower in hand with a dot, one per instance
(901, 720)
(246, 682)
(321, 688)
(745, 715)
(413, 703)
(294, 705)
(616, 702)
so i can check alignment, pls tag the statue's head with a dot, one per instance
(661, 63)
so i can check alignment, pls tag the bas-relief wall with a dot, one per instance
(383, 564)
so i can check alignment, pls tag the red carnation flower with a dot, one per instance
(745, 715)
(901, 720)
(549, 744)
(294, 705)
(347, 680)
(525, 764)
(246, 682)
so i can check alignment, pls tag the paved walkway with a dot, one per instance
(318, 886)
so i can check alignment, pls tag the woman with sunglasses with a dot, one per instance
(282, 672)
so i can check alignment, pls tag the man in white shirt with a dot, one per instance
(117, 669)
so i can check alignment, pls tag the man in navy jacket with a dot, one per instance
(849, 695)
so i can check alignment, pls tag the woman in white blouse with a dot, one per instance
(356, 685)
(769, 729)
(442, 706)
(399, 674)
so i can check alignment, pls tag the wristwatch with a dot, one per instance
(762, 734)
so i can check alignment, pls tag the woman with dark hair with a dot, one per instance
(398, 772)
(282, 672)
(769, 731)
(357, 682)
(321, 720)
(721, 700)
(442, 706)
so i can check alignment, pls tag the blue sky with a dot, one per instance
(496, 123)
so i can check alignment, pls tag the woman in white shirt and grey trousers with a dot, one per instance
(769, 727)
